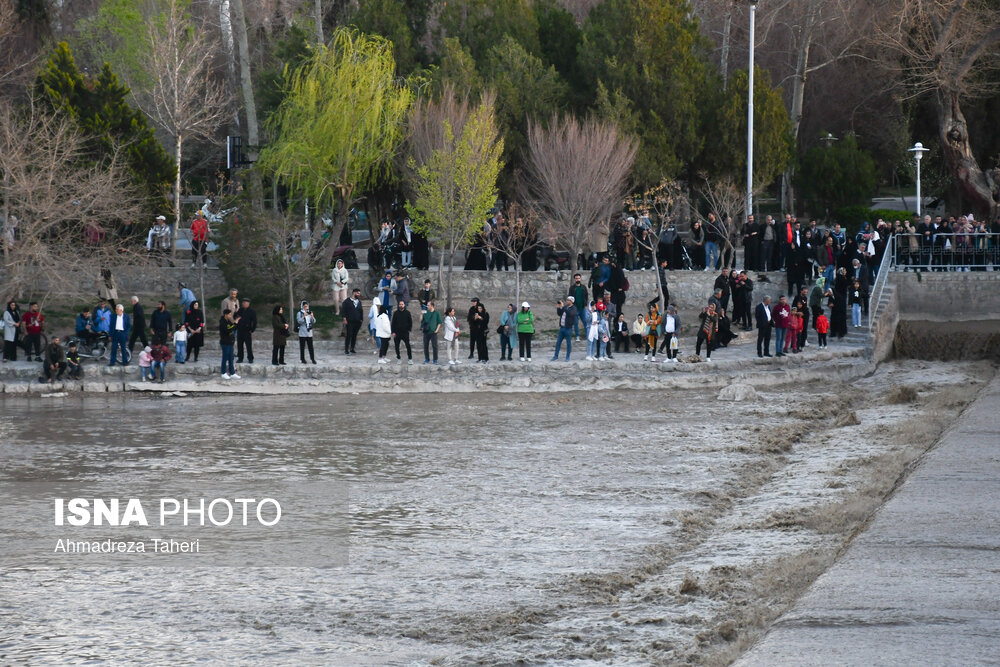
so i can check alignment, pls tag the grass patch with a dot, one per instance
(901, 394)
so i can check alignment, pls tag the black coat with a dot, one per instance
(226, 329)
(138, 317)
(248, 320)
(760, 317)
(351, 311)
(161, 320)
(402, 322)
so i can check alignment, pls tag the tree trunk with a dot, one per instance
(451, 269)
(727, 27)
(440, 273)
(978, 187)
(239, 24)
(291, 285)
(177, 196)
(340, 219)
(798, 96)
(318, 12)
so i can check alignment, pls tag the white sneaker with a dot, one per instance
(709, 360)
(451, 363)
(577, 340)
(234, 376)
(645, 357)
(529, 360)
(522, 358)
(143, 378)
(588, 358)
(458, 362)
(382, 361)
(225, 376)
(409, 362)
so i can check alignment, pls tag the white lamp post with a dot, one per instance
(918, 151)
(753, 18)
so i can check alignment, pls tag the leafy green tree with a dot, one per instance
(457, 69)
(457, 184)
(842, 174)
(99, 107)
(559, 39)
(481, 24)
(389, 19)
(340, 125)
(651, 56)
(288, 52)
(525, 88)
(773, 142)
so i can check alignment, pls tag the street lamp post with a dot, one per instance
(753, 18)
(918, 151)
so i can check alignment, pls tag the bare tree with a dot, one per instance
(514, 236)
(662, 205)
(575, 177)
(727, 200)
(61, 211)
(948, 49)
(185, 100)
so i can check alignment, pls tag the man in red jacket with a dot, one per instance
(782, 312)
(34, 324)
(199, 239)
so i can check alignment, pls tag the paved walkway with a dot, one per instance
(920, 586)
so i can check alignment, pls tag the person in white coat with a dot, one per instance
(451, 333)
(383, 331)
(338, 281)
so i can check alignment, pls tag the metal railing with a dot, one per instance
(967, 251)
(875, 295)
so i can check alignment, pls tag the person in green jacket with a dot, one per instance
(431, 324)
(525, 330)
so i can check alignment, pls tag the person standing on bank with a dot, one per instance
(525, 330)
(479, 328)
(247, 324)
(338, 280)
(762, 317)
(194, 322)
(567, 319)
(507, 332)
(279, 336)
(350, 310)
(227, 338)
(160, 322)
(383, 332)
(305, 321)
(451, 333)
(120, 325)
(11, 322)
(432, 324)
(138, 326)
(231, 302)
(473, 309)
(400, 326)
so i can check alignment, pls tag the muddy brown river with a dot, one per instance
(604, 526)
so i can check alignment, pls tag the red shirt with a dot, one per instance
(199, 229)
(822, 324)
(33, 322)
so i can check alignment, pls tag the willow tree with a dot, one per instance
(337, 130)
(456, 185)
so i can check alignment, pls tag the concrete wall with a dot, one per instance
(688, 289)
(943, 297)
(149, 282)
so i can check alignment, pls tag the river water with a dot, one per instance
(489, 528)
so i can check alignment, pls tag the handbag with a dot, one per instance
(500, 329)
(605, 338)
(285, 332)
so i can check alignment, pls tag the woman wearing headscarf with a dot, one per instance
(383, 331)
(508, 333)
(305, 321)
(279, 335)
(339, 278)
(653, 320)
(194, 322)
(838, 313)
(11, 321)
(478, 329)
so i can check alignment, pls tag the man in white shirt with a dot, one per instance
(762, 315)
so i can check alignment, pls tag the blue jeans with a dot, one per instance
(158, 366)
(591, 347)
(711, 254)
(146, 372)
(779, 340)
(118, 341)
(856, 314)
(565, 333)
(180, 351)
(227, 358)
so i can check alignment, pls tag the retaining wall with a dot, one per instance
(948, 297)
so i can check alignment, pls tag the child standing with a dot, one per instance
(822, 327)
(854, 298)
(794, 326)
(180, 343)
(145, 361)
